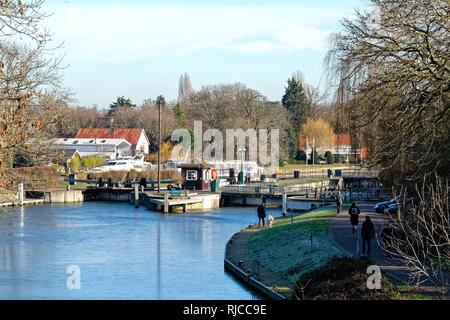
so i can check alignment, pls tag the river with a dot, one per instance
(120, 253)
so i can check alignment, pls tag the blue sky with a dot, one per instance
(140, 48)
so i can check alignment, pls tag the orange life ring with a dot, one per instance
(214, 174)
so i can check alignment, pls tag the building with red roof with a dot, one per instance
(135, 136)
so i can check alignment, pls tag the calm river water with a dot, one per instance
(122, 252)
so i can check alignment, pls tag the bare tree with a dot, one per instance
(30, 90)
(19, 17)
(419, 236)
(392, 67)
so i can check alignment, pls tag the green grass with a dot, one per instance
(285, 249)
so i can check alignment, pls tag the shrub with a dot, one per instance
(92, 162)
(75, 164)
(330, 157)
(300, 156)
(45, 176)
(316, 157)
(342, 278)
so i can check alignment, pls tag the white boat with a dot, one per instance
(125, 164)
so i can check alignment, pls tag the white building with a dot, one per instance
(109, 148)
(135, 136)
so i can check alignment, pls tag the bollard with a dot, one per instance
(136, 196)
(21, 193)
(284, 204)
(357, 241)
(166, 203)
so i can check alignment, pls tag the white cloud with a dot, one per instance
(128, 32)
(255, 47)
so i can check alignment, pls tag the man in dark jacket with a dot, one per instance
(367, 234)
(261, 215)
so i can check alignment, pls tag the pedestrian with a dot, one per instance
(338, 202)
(367, 234)
(261, 215)
(270, 220)
(354, 212)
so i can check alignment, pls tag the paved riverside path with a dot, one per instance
(341, 230)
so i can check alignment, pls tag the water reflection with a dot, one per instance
(123, 253)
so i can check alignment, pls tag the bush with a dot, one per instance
(92, 162)
(330, 157)
(300, 156)
(316, 158)
(343, 278)
(75, 164)
(46, 176)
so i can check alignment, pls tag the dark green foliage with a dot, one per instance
(294, 100)
(121, 102)
(300, 155)
(179, 115)
(330, 157)
(160, 100)
(316, 158)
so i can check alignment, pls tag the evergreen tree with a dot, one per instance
(294, 100)
(121, 102)
(179, 115)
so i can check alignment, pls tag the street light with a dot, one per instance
(241, 174)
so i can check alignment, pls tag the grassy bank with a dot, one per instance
(285, 250)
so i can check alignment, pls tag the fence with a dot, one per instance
(269, 190)
(33, 185)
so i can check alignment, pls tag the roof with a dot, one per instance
(194, 166)
(69, 153)
(343, 139)
(87, 142)
(132, 135)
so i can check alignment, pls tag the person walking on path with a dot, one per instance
(367, 234)
(261, 215)
(338, 202)
(354, 212)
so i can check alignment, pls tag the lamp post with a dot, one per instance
(241, 174)
(160, 101)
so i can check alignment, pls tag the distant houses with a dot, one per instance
(342, 149)
(135, 136)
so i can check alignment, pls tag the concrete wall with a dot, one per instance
(63, 196)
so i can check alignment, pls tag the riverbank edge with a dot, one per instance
(248, 278)
(28, 202)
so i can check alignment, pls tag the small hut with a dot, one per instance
(196, 176)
